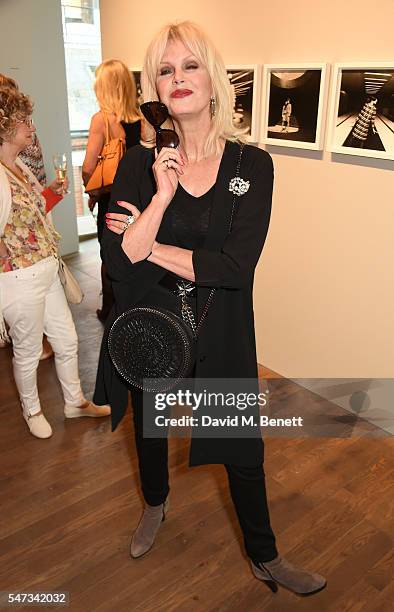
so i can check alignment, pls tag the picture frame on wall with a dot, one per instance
(294, 104)
(245, 81)
(362, 110)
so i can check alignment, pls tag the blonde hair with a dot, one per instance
(195, 39)
(116, 91)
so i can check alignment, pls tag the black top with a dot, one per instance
(190, 217)
(189, 222)
(133, 133)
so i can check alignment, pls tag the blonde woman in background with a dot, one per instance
(116, 94)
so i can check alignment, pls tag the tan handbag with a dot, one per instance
(107, 164)
(72, 290)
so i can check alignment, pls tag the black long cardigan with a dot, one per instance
(226, 344)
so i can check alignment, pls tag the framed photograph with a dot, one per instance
(362, 110)
(294, 104)
(245, 82)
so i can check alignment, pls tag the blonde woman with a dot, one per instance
(181, 207)
(116, 94)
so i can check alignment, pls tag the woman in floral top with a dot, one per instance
(32, 299)
(25, 237)
(33, 158)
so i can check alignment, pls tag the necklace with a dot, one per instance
(18, 175)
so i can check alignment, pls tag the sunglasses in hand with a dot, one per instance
(156, 113)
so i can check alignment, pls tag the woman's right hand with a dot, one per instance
(167, 168)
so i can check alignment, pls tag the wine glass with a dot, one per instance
(60, 165)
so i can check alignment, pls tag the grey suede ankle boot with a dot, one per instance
(280, 571)
(144, 536)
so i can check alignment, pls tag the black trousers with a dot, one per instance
(108, 296)
(247, 488)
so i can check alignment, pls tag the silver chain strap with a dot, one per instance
(188, 315)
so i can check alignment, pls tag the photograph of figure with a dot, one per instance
(292, 105)
(364, 112)
(244, 81)
(286, 114)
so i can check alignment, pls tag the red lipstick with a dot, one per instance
(181, 93)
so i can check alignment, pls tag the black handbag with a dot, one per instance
(153, 348)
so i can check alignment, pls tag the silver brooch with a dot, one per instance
(238, 186)
(184, 288)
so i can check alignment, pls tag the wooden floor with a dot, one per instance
(70, 503)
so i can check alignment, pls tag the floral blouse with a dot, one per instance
(26, 237)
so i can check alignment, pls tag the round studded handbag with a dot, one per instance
(153, 348)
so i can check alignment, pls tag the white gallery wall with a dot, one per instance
(32, 53)
(324, 291)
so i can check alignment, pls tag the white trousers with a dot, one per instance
(34, 303)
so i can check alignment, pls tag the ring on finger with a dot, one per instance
(129, 221)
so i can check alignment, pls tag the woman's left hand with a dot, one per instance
(116, 222)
